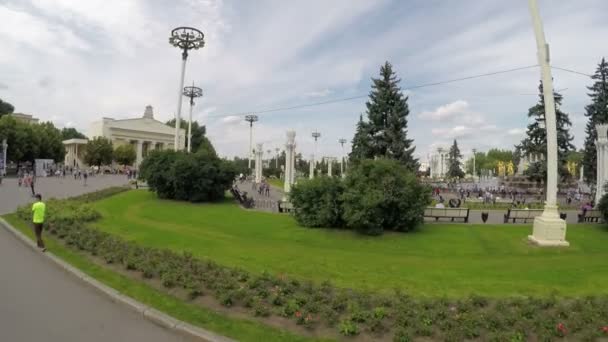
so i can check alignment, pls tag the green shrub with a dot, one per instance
(603, 204)
(194, 177)
(383, 195)
(318, 202)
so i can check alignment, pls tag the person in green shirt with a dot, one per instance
(38, 211)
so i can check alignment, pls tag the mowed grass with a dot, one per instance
(437, 260)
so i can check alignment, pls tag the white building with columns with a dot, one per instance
(144, 133)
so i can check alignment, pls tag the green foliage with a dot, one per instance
(71, 133)
(603, 205)
(384, 135)
(199, 140)
(98, 151)
(318, 202)
(383, 195)
(27, 142)
(195, 177)
(597, 113)
(454, 157)
(535, 142)
(125, 154)
(6, 108)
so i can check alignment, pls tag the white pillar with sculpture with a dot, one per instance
(259, 152)
(601, 145)
(330, 161)
(311, 174)
(290, 147)
(549, 229)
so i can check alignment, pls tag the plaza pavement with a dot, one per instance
(13, 196)
(39, 302)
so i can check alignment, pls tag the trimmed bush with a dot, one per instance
(194, 177)
(318, 202)
(383, 195)
(602, 206)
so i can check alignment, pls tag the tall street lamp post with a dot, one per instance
(474, 173)
(276, 161)
(192, 93)
(251, 119)
(316, 135)
(549, 229)
(185, 38)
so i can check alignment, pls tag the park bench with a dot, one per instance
(451, 213)
(522, 214)
(285, 207)
(590, 216)
(241, 196)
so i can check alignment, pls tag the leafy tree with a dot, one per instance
(383, 194)
(536, 135)
(125, 154)
(386, 130)
(50, 143)
(71, 133)
(27, 142)
(597, 113)
(6, 108)
(454, 157)
(199, 138)
(361, 148)
(99, 151)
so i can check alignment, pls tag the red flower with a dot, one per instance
(605, 329)
(298, 314)
(561, 328)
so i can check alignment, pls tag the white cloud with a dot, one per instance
(319, 93)
(516, 131)
(232, 120)
(448, 111)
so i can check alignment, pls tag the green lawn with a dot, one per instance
(437, 260)
(278, 183)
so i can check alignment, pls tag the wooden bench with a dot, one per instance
(592, 215)
(451, 213)
(522, 214)
(285, 207)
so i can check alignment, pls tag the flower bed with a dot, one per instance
(316, 306)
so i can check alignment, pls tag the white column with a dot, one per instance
(312, 167)
(179, 104)
(549, 229)
(139, 150)
(602, 157)
(329, 162)
(258, 163)
(580, 176)
(293, 164)
(289, 162)
(190, 127)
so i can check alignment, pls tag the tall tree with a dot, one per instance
(125, 154)
(454, 157)
(199, 137)
(27, 142)
(535, 141)
(98, 152)
(6, 108)
(361, 148)
(597, 113)
(71, 133)
(386, 126)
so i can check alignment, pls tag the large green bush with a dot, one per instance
(602, 206)
(383, 195)
(195, 177)
(318, 202)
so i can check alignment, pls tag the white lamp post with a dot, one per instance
(549, 229)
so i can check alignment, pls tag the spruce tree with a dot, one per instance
(597, 113)
(386, 128)
(361, 148)
(535, 142)
(454, 157)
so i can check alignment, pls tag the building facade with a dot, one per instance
(145, 134)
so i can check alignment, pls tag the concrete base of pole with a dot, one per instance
(549, 230)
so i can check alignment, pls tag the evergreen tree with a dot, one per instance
(385, 132)
(361, 148)
(536, 136)
(454, 157)
(597, 112)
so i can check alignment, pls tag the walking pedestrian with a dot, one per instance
(38, 211)
(85, 176)
(32, 181)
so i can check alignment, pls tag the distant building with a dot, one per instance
(74, 153)
(144, 133)
(27, 118)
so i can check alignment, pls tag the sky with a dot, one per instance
(75, 61)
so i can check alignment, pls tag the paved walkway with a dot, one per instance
(13, 196)
(262, 202)
(39, 302)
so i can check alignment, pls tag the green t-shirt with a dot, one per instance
(38, 209)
